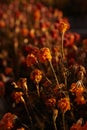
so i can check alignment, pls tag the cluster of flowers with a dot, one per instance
(43, 69)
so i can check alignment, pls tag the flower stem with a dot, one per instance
(38, 90)
(54, 73)
(64, 121)
(30, 119)
(62, 47)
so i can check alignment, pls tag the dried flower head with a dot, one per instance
(7, 121)
(64, 104)
(76, 127)
(45, 55)
(77, 89)
(80, 100)
(51, 102)
(36, 75)
(17, 96)
(63, 27)
(30, 60)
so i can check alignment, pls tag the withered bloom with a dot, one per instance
(63, 27)
(36, 75)
(17, 96)
(77, 89)
(44, 55)
(7, 122)
(31, 60)
(51, 102)
(80, 100)
(64, 104)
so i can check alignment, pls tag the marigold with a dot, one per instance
(80, 100)
(36, 75)
(77, 89)
(30, 60)
(17, 96)
(50, 102)
(76, 127)
(45, 55)
(63, 27)
(7, 121)
(64, 104)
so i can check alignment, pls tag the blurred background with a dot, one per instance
(75, 10)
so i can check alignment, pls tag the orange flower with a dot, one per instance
(45, 55)
(36, 75)
(50, 102)
(63, 27)
(2, 24)
(84, 127)
(64, 104)
(76, 127)
(37, 14)
(32, 33)
(7, 121)
(77, 90)
(80, 100)
(2, 89)
(30, 60)
(25, 32)
(17, 96)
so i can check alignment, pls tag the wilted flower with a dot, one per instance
(64, 104)
(77, 90)
(76, 127)
(45, 55)
(80, 100)
(17, 96)
(51, 102)
(30, 60)
(36, 75)
(7, 122)
(63, 27)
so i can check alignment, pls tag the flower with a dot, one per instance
(50, 102)
(2, 89)
(25, 31)
(80, 100)
(63, 27)
(77, 90)
(45, 55)
(64, 104)
(36, 75)
(7, 121)
(30, 60)
(17, 96)
(76, 127)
